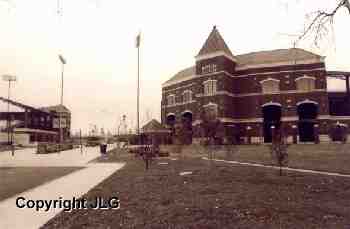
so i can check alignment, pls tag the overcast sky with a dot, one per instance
(97, 38)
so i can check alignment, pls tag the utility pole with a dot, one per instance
(9, 78)
(63, 62)
(81, 142)
(138, 41)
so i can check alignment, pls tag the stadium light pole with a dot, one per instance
(9, 78)
(138, 42)
(63, 62)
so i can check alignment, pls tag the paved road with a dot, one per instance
(72, 185)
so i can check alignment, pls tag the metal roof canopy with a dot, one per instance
(26, 107)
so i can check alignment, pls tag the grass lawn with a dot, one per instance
(14, 180)
(329, 158)
(215, 195)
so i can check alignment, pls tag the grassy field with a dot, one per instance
(215, 195)
(16, 180)
(329, 158)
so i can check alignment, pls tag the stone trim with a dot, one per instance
(271, 104)
(215, 54)
(178, 104)
(186, 111)
(305, 77)
(269, 79)
(210, 104)
(339, 117)
(237, 76)
(282, 63)
(199, 95)
(260, 120)
(307, 101)
(170, 114)
(178, 88)
(277, 72)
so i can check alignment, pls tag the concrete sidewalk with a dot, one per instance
(29, 158)
(72, 185)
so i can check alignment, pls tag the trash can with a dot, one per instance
(103, 148)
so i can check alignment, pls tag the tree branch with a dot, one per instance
(321, 21)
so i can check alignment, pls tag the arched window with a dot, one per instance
(187, 96)
(305, 83)
(210, 87)
(171, 99)
(270, 86)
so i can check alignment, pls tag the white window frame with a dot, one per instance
(171, 99)
(209, 68)
(309, 81)
(270, 80)
(210, 87)
(190, 93)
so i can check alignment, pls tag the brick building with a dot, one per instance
(284, 88)
(29, 125)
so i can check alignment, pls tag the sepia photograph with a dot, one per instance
(174, 114)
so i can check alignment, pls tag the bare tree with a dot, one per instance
(211, 129)
(279, 149)
(321, 22)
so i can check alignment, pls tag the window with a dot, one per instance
(187, 96)
(171, 99)
(211, 111)
(209, 87)
(305, 83)
(209, 68)
(270, 86)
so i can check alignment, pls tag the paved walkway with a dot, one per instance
(28, 157)
(72, 185)
(284, 168)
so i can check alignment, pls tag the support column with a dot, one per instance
(26, 118)
(316, 134)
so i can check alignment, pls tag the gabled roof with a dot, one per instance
(214, 43)
(183, 74)
(254, 58)
(275, 56)
(154, 126)
(57, 108)
(23, 106)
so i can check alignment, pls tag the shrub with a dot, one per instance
(339, 132)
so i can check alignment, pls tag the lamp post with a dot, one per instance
(63, 62)
(9, 78)
(138, 42)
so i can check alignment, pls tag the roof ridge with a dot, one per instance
(281, 49)
(214, 43)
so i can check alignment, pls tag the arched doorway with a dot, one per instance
(187, 126)
(307, 112)
(170, 122)
(272, 117)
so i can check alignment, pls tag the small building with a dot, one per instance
(27, 125)
(65, 115)
(155, 133)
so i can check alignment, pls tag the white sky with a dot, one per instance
(97, 38)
